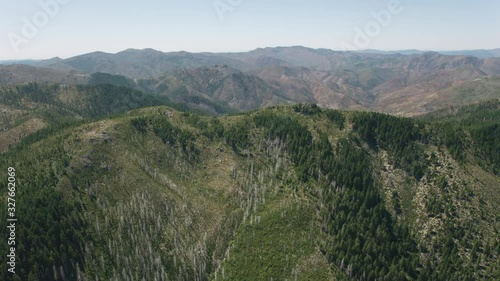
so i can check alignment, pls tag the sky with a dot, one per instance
(41, 29)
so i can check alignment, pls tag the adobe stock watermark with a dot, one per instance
(224, 6)
(364, 36)
(30, 28)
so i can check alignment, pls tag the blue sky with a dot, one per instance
(82, 26)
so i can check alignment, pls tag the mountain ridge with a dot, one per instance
(398, 84)
(281, 192)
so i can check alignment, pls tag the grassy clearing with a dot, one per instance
(278, 243)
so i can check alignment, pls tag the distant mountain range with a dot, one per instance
(493, 53)
(8, 62)
(408, 84)
(480, 53)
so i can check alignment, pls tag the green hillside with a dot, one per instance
(283, 193)
(28, 108)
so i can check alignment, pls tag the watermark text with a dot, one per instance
(11, 220)
(224, 6)
(382, 19)
(31, 26)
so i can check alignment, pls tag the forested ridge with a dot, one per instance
(283, 192)
(473, 128)
(89, 101)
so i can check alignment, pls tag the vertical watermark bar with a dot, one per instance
(11, 220)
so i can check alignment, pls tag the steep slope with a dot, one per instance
(218, 88)
(281, 193)
(393, 83)
(20, 74)
(477, 90)
(301, 84)
(27, 108)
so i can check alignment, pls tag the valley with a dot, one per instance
(276, 164)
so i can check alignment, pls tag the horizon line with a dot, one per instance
(251, 50)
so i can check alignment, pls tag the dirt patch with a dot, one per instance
(100, 132)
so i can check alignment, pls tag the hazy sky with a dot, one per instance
(82, 26)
